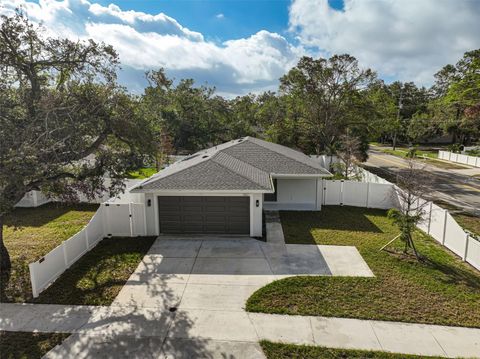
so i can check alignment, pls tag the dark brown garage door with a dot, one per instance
(185, 214)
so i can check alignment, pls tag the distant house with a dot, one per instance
(224, 189)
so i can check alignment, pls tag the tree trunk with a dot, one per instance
(394, 145)
(413, 247)
(5, 263)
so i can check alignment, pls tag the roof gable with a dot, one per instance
(274, 159)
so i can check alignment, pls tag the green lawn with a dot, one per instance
(440, 290)
(98, 277)
(142, 173)
(469, 222)
(22, 345)
(291, 351)
(30, 233)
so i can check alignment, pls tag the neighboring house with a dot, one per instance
(224, 189)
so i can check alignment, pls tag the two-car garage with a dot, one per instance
(204, 214)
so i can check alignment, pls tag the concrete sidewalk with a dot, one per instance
(143, 332)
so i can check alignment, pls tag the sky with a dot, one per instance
(242, 46)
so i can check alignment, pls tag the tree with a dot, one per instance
(330, 94)
(457, 95)
(422, 127)
(350, 153)
(409, 101)
(194, 117)
(64, 123)
(384, 117)
(413, 186)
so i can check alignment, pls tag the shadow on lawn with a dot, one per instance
(39, 216)
(98, 276)
(455, 275)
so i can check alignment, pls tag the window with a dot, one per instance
(271, 197)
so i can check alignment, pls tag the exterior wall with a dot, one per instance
(256, 226)
(297, 194)
(151, 212)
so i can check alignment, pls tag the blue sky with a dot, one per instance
(246, 46)
(218, 20)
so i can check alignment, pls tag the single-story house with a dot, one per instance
(224, 189)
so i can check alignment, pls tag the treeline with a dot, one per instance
(317, 102)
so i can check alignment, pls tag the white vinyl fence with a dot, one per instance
(111, 219)
(37, 198)
(440, 224)
(459, 158)
(358, 194)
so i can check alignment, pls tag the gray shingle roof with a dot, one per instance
(239, 165)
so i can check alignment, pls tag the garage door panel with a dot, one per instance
(202, 214)
(215, 209)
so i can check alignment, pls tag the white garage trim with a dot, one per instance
(256, 225)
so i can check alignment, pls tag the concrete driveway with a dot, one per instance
(220, 274)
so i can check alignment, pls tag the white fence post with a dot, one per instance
(324, 189)
(368, 194)
(430, 217)
(106, 219)
(65, 257)
(444, 226)
(86, 238)
(130, 218)
(31, 269)
(341, 192)
(465, 253)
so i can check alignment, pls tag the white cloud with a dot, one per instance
(405, 39)
(220, 16)
(146, 41)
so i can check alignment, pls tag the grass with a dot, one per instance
(23, 345)
(98, 277)
(439, 290)
(291, 351)
(468, 221)
(142, 173)
(30, 233)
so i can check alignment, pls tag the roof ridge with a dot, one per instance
(243, 163)
(303, 158)
(203, 152)
(173, 172)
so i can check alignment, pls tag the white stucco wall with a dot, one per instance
(256, 215)
(151, 213)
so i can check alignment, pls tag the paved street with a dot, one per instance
(454, 186)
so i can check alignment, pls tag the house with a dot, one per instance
(225, 189)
